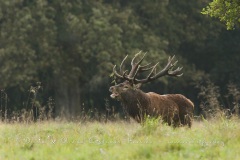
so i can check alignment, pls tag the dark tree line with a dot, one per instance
(71, 47)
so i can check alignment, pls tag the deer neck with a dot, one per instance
(133, 100)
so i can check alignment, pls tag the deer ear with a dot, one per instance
(137, 86)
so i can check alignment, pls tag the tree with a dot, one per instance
(71, 46)
(68, 46)
(227, 11)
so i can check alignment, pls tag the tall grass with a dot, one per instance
(210, 96)
(106, 136)
(215, 105)
(120, 140)
(4, 106)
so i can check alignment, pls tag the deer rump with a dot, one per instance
(174, 109)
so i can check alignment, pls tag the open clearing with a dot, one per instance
(119, 140)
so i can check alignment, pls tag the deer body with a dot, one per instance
(174, 109)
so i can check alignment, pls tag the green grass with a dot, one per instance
(119, 140)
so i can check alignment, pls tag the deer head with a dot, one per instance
(130, 78)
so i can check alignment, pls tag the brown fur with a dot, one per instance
(175, 109)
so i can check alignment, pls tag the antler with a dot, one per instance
(166, 71)
(123, 76)
(137, 68)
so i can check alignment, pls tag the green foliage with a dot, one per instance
(64, 45)
(210, 95)
(71, 47)
(226, 11)
(149, 125)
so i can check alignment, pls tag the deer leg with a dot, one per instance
(188, 120)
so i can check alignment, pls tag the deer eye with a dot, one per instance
(125, 88)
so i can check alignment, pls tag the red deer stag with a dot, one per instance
(174, 109)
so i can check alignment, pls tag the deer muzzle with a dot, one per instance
(114, 94)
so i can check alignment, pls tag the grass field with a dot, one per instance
(219, 139)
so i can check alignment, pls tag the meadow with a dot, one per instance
(120, 140)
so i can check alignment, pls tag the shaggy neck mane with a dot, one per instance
(133, 100)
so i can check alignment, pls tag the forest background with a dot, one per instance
(59, 55)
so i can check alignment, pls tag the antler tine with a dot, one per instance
(166, 71)
(124, 74)
(135, 66)
(146, 65)
(176, 72)
(132, 62)
(171, 58)
(120, 76)
(134, 76)
(169, 64)
(115, 72)
(140, 61)
(174, 64)
(122, 63)
(168, 67)
(149, 75)
(153, 68)
(144, 68)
